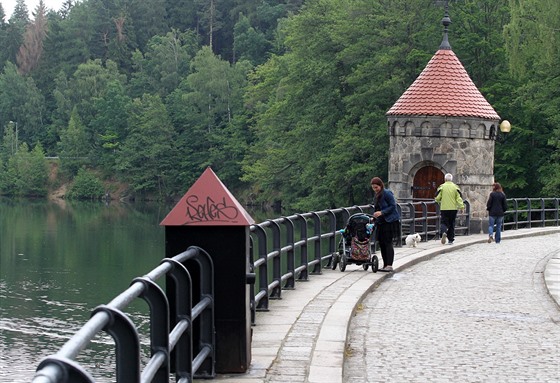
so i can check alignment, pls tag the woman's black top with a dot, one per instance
(497, 204)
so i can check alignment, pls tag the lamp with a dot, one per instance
(505, 126)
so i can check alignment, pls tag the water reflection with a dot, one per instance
(60, 260)
(57, 263)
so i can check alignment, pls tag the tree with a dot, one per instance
(21, 101)
(27, 172)
(110, 121)
(4, 53)
(249, 44)
(86, 186)
(164, 64)
(73, 147)
(9, 141)
(149, 19)
(318, 111)
(146, 157)
(31, 50)
(16, 28)
(89, 83)
(477, 38)
(533, 47)
(207, 109)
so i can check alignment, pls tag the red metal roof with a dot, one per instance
(208, 203)
(444, 88)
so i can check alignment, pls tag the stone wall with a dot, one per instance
(460, 146)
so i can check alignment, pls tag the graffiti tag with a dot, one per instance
(209, 210)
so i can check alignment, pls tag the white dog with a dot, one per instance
(413, 239)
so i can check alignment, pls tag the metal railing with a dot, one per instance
(187, 350)
(531, 212)
(287, 249)
(283, 250)
(423, 217)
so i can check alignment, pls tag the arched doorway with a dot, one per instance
(424, 186)
(426, 182)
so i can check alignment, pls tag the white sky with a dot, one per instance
(9, 6)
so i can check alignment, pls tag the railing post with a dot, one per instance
(159, 324)
(399, 241)
(127, 344)
(332, 229)
(425, 218)
(468, 213)
(290, 254)
(204, 340)
(276, 264)
(317, 223)
(516, 214)
(304, 260)
(261, 265)
(529, 212)
(178, 285)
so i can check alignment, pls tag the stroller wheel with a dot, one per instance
(342, 264)
(365, 266)
(335, 260)
(374, 264)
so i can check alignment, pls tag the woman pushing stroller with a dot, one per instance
(387, 219)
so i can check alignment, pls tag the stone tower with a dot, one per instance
(443, 124)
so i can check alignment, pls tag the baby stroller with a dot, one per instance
(355, 244)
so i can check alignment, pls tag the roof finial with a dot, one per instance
(446, 21)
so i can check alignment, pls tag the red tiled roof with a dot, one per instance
(444, 88)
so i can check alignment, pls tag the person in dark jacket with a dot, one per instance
(496, 206)
(387, 220)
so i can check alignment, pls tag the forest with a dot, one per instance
(284, 99)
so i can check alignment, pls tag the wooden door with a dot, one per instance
(426, 182)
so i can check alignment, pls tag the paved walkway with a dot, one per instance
(350, 327)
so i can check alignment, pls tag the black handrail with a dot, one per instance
(316, 250)
(170, 351)
(275, 245)
(528, 212)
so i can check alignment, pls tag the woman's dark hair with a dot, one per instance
(497, 187)
(377, 181)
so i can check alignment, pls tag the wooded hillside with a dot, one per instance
(285, 99)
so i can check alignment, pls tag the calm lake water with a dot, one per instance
(58, 261)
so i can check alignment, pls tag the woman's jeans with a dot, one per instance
(498, 221)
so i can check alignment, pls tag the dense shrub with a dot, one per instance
(86, 186)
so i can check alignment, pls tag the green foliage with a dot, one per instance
(319, 110)
(284, 102)
(86, 186)
(146, 157)
(163, 65)
(21, 101)
(73, 146)
(26, 173)
(9, 142)
(533, 47)
(249, 43)
(208, 107)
